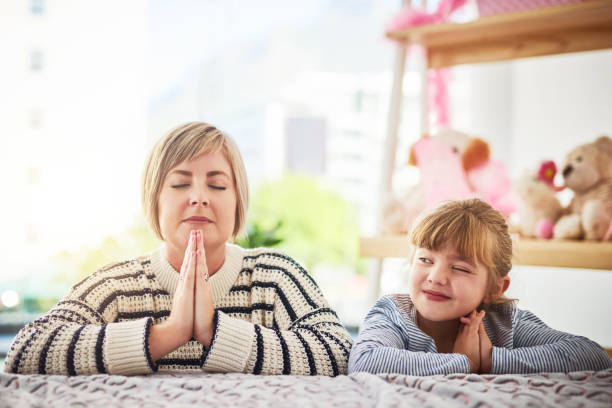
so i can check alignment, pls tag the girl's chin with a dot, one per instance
(432, 316)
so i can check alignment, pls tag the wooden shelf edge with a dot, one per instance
(573, 27)
(555, 253)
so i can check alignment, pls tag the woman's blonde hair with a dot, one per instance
(186, 142)
(478, 232)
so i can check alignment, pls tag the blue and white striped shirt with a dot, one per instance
(391, 342)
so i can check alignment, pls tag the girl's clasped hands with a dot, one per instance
(472, 341)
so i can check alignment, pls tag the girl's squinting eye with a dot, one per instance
(460, 269)
(425, 260)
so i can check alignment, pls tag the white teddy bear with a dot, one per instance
(539, 206)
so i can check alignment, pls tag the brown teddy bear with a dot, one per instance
(587, 171)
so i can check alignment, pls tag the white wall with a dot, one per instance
(531, 110)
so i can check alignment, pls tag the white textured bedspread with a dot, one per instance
(185, 389)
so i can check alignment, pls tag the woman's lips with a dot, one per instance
(435, 296)
(198, 220)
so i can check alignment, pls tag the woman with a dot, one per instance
(198, 301)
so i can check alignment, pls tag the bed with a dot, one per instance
(184, 389)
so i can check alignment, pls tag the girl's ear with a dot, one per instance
(505, 283)
(499, 289)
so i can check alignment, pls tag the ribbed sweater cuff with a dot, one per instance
(126, 347)
(231, 345)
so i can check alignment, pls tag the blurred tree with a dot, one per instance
(259, 237)
(318, 225)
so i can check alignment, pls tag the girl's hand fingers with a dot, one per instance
(480, 317)
(469, 319)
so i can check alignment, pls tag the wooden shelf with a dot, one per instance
(544, 31)
(568, 254)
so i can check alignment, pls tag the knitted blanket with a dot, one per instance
(184, 389)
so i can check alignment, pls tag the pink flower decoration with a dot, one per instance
(547, 172)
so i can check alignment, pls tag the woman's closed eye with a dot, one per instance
(187, 185)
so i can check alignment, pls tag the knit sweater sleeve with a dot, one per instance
(390, 344)
(538, 348)
(304, 336)
(80, 336)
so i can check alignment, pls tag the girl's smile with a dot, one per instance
(435, 296)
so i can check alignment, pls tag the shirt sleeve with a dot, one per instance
(304, 338)
(384, 346)
(79, 336)
(538, 348)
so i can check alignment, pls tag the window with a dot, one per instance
(37, 7)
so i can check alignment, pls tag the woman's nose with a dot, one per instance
(198, 199)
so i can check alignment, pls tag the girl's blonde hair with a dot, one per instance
(478, 232)
(186, 142)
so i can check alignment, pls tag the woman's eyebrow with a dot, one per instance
(217, 173)
(183, 172)
(209, 174)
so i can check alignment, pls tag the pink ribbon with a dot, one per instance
(437, 80)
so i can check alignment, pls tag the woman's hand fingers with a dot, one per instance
(204, 309)
(181, 315)
(202, 268)
(185, 287)
(188, 255)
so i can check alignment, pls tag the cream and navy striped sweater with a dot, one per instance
(271, 318)
(392, 342)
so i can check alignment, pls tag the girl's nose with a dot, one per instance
(438, 275)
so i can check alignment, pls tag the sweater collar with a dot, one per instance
(220, 282)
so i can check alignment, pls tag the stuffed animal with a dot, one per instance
(539, 207)
(587, 171)
(453, 165)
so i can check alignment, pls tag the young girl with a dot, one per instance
(456, 319)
